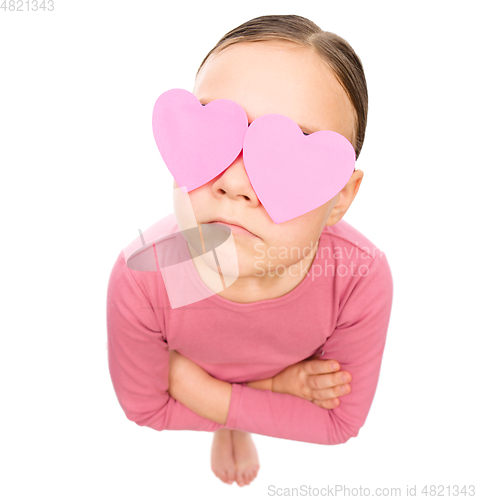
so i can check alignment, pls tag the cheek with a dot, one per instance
(299, 234)
(192, 200)
(301, 229)
(199, 200)
(185, 209)
(288, 243)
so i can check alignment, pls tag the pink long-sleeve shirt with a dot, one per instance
(340, 310)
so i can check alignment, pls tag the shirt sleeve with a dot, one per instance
(357, 343)
(138, 359)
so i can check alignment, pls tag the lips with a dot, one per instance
(236, 228)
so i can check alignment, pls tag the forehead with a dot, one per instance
(278, 76)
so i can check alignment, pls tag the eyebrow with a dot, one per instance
(305, 130)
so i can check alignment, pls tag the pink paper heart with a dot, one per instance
(197, 142)
(291, 173)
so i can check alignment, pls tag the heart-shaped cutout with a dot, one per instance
(197, 142)
(291, 173)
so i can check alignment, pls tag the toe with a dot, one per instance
(240, 478)
(229, 476)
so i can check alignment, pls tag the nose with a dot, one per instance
(234, 183)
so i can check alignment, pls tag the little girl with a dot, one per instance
(245, 359)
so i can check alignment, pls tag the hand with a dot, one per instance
(315, 380)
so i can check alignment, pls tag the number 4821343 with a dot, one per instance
(27, 5)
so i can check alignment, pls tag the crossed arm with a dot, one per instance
(183, 396)
(316, 380)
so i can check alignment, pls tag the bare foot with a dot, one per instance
(245, 456)
(222, 457)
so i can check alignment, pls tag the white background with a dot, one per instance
(80, 174)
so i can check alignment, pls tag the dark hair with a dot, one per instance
(336, 52)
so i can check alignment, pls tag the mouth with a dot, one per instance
(235, 228)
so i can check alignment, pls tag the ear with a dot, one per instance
(345, 198)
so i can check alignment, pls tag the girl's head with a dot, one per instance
(286, 65)
(332, 50)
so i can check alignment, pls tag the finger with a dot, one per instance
(320, 366)
(328, 404)
(326, 381)
(334, 392)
